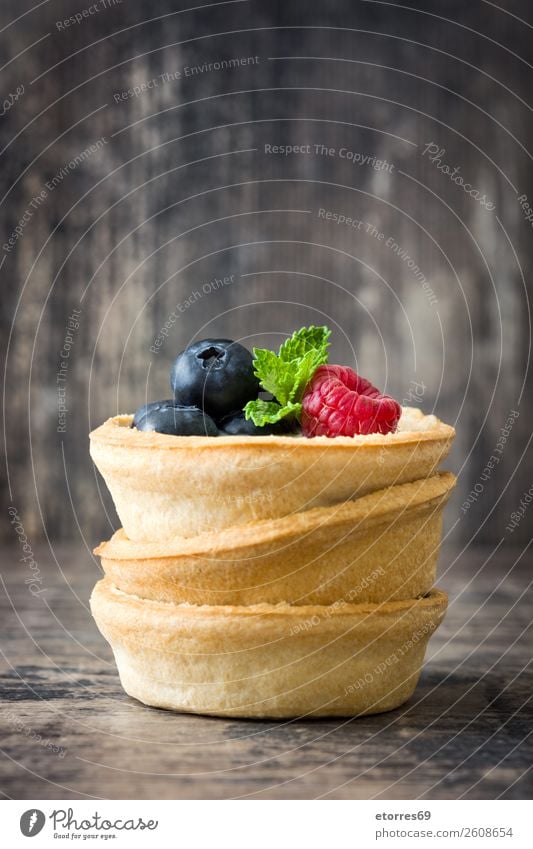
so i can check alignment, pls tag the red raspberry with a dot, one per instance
(337, 402)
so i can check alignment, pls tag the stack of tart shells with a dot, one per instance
(272, 576)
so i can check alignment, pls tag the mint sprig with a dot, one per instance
(270, 412)
(286, 374)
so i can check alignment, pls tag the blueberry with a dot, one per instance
(146, 409)
(216, 375)
(168, 417)
(236, 425)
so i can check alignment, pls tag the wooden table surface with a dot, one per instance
(464, 733)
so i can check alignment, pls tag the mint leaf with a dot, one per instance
(269, 412)
(286, 374)
(305, 369)
(275, 375)
(305, 340)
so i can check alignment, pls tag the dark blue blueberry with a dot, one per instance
(143, 411)
(216, 375)
(236, 425)
(170, 418)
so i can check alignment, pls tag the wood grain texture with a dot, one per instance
(181, 192)
(463, 734)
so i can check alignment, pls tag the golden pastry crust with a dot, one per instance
(167, 486)
(380, 547)
(267, 660)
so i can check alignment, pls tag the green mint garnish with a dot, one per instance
(270, 412)
(286, 374)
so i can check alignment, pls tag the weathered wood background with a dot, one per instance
(180, 191)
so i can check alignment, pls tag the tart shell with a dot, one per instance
(265, 660)
(380, 547)
(168, 486)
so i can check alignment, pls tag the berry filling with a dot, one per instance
(220, 388)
